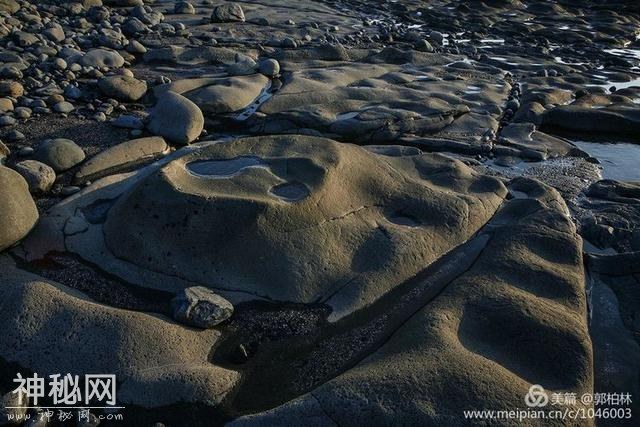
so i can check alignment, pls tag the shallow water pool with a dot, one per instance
(619, 161)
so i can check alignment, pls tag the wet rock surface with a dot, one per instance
(358, 212)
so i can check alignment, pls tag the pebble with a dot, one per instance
(7, 121)
(69, 190)
(39, 176)
(200, 307)
(228, 12)
(269, 67)
(61, 154)
(63, 107)
(176, 118)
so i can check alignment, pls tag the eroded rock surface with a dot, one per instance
(156, 359)
(18, 212)
(327, 221)
(371, 279)
(480, 335)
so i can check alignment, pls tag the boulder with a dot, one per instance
(123, 88)
(610, 121)
(477, 337)
(158, 362)
(221, 95)
(319, 215)
(6, 105)
(122, 157)
(10, 6)
(61, 154)
(176, 118)
(102, 58)
(18, 212)
(200, 307)
(11, 88)
(184, 7)
(39, 176)
(228, 12)
(269, 67)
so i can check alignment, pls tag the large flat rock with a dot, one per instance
(52, 329)
(326, 221)
(477, 344)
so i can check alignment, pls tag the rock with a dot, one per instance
(128, 122)
(436, 37)
(288, 43)
(123, 88)
(10, 6)
(134, 26)
(55, 33)
(242, 68)
(269, 67)
(200, 307)
(99, 117)
(69, 190)
(7, 121)
(60, 64)
(531, 112)
(39, 176)
(61, 154)
(424, 46)
(513, 105)
(469, 341)
(122, 157)
(609, 121)
(184, 7)
(270, 188)
(22, 113)
(6, 105)
(176, 118)
(221, 95)
(63, 107)
(15, 135)
(18, 212)
(128, 341)
(4, 152)
(11, 88)
(228, 12)
(24, 39)
(72, 92)
(135, 46)
(102, 58)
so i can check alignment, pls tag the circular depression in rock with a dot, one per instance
(225, 168)
(291, 191)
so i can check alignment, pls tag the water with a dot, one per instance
(347, 116)
(619, 161)
(399, 218)
(291, 191)
(224, 168)
(249, 111)
(229, 168)
(618, 85)
(629, 53)
(559, 60)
